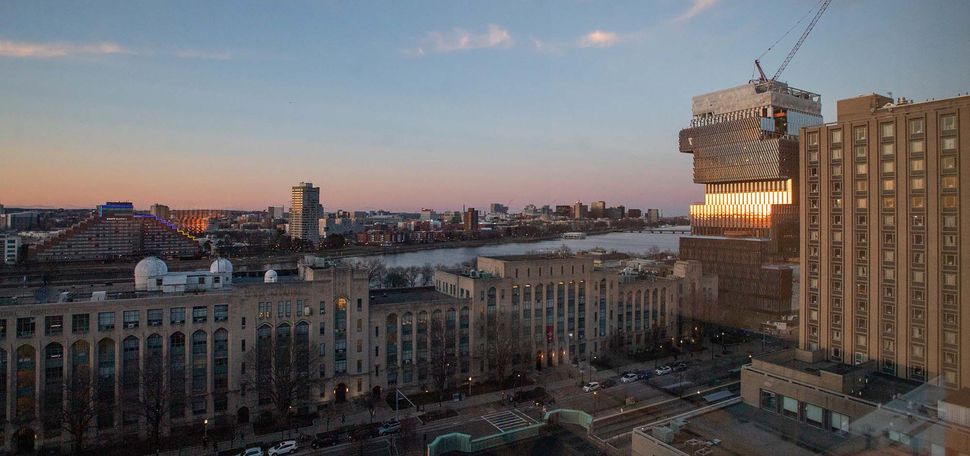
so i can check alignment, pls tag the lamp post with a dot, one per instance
(469, 386)
(205, 432)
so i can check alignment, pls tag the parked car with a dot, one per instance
(285, 447)
(680, 366)
(591, 386)
(608, 383)
(254, 451)
(643, 375)
(324, 440)
(390, 427)
(628, 377)
(663, 370)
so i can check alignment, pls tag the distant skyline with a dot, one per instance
(399, 106)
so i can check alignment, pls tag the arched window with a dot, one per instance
(200, 375)
(81, 357)
(264, 363)
(129, 366)
(390, 346)
(153, 347)
(176, 356)
(53, 385)
(106, 383)
(220, 369)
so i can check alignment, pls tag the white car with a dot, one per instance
(285, 447)
(591, 386)
(254, 451)
(628, 377)
(663, 370)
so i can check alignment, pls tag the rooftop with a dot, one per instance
(532, 257)
(399, 295)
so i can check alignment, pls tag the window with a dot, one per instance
(948, 163)
(861, 152)
(862, 169)
(917, 183)
(769, 401)
(916, 147)
(53, 325)
(106, 321)
(200, 314)
(886, 130)
(948, 143)
(888, 185)
(155, 317)
(25, 327)
(950, 202)
(889, 167)
(836, 154)
(918, 202)
(949, 182)
(859, 133)
(887, 150)
(130, 318)
(836, 136)
(916, 126)
(948, 122)
(177, 316)
(916, 165)
(3, 328)
(80, 323)
(220, 312)
(812, 138)
(266, 310)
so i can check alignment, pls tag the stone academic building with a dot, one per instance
(218, 338)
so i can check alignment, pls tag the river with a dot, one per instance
(631, 242)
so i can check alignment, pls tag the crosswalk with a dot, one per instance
(508, 420)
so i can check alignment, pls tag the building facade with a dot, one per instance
(10, 244)
(744, 142)
(469, 219)
(115, 231)
(883, 242)
(305, 212)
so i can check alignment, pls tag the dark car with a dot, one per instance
(324, 440)
(643, 375)
(608, 383)
(679, 367)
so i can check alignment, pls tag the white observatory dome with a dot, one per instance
(147, 268)
(221, 266)
(270, 277)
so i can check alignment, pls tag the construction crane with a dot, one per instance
(823, 5)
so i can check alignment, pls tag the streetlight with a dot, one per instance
(205, 432)
(469, 386)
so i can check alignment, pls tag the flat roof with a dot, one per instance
(399, 295)
(738, 428)
(531, 256)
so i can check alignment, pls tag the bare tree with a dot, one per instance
(375, 267)
(283, 372)
(504, 346)
(154, 400)
(411, 274)
(427, 274)
(79, 408)
(441, 360)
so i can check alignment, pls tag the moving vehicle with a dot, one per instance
(285, 447)
(628, 377)
(390, 427)
(254, 451)
(591, 386)
(663, 370)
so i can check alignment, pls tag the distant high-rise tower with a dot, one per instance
(470, 219)
(580, 211)
(597, 209)
(745, 146)
(305, 212)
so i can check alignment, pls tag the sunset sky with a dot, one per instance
(403, 105)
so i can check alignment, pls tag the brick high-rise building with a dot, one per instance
(745, 146)
(882, 242)
(469, 219)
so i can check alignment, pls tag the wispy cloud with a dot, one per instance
(59, 49)
(697, 7)
(599, 38)
(495, 36)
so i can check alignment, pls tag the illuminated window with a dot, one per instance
(888, 185)
(948, 163)
(948, 143)
(917, 183)
(916, 146)
(889, 167)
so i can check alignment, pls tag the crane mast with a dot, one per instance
(791, 54)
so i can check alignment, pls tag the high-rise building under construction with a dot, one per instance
(745, 146)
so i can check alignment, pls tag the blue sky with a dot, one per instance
(403, 105)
